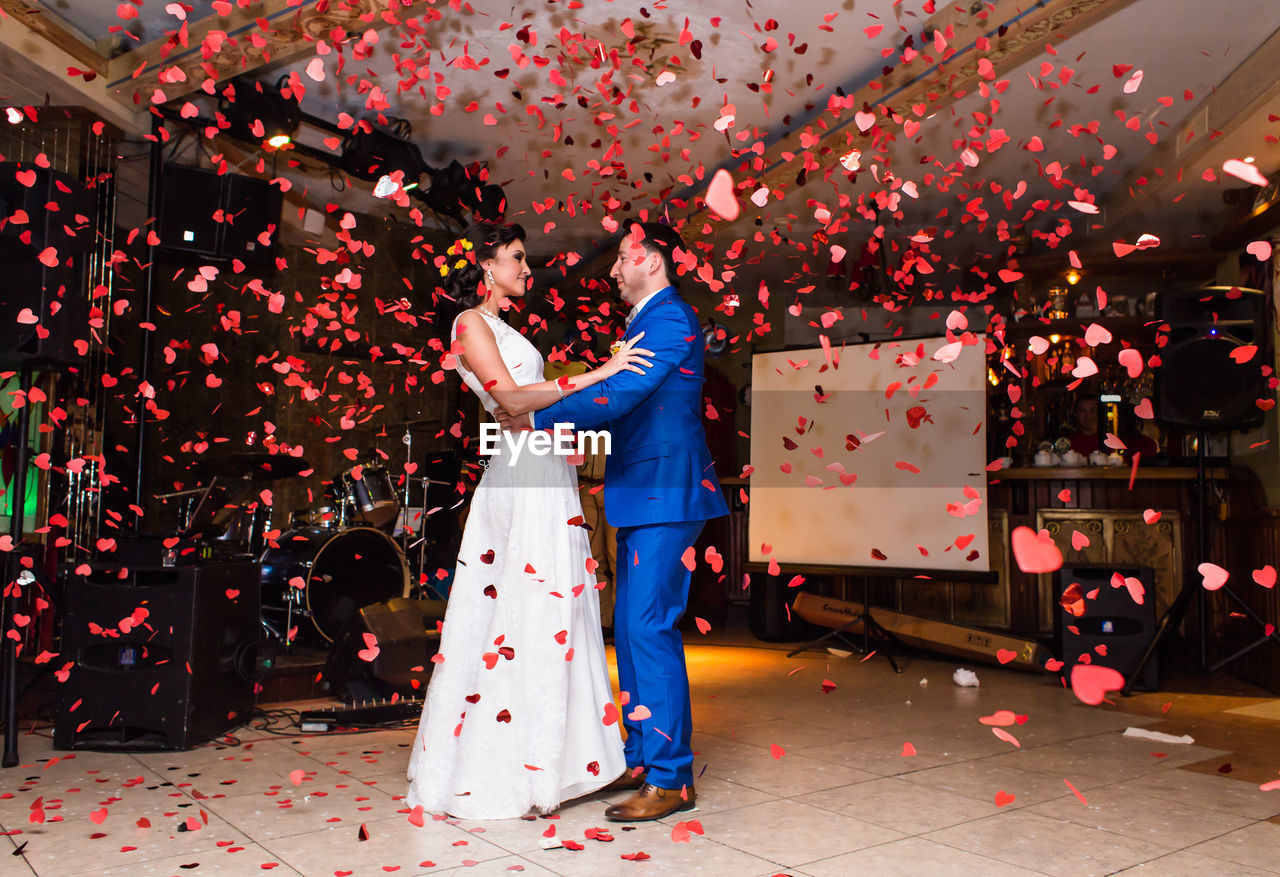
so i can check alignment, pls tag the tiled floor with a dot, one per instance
(842, 799)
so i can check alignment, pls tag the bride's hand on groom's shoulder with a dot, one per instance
(629, 357)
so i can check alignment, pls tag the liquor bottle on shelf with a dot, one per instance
(1058, 303)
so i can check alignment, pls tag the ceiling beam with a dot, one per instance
(243, 45)
(48, 27)
(937, 81)
(1233, 103)
(38, 68)
(930, 79)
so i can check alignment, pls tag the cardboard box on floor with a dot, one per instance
(954, 639)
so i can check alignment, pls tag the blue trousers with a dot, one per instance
(653, 588)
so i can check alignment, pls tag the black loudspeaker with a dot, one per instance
(189, 199)
(1198, 383)
(252, 219)
(44, 308)
(221, 216)
(1096, 618)
(163, 658)
(394, 658)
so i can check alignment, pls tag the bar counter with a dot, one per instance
(1098, 506)
(1107, 473)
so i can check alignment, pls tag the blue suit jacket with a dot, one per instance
(659, 469)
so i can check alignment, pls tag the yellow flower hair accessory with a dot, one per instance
(461, 247)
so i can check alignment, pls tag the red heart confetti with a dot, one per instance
(1035, 552)
(1243, 353)
(371, 649)
(720, 197)
(1000, 717)
(1006, 736)
(1091, 682)
(1212, 575)
(1131, 359)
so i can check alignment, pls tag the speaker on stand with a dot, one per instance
(1209, 380)
(44, 308)
(220, 216)
(1204, 382)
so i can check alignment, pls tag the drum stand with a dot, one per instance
(407, 532)
(273, 630)
(408, 458)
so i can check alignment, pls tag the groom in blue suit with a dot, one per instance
(660, 488)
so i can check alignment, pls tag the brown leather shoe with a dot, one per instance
(630, 780)
(651, 803)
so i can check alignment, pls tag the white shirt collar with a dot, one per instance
(635, 310)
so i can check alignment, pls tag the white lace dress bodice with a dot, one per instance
(521, 358)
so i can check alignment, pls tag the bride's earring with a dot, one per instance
(488, 278)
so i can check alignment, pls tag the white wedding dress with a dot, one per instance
(514, 714)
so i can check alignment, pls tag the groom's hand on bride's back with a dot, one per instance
(512, 422)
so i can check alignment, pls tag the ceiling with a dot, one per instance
(1108, 119)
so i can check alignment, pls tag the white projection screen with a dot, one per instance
(888, 409)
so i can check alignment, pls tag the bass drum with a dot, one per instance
(340, 572)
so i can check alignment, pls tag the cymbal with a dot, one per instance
(258, 466)
(409, 424)
(190, 492)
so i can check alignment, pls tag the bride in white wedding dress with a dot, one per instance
(518, 714)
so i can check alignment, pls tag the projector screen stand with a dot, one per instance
(869, 627)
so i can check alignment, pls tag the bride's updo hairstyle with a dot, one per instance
(465, 276)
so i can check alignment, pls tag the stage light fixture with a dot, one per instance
(372, 153)
(461, 193)
(490, 202)
(260, 113)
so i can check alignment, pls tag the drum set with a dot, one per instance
(348, 552)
